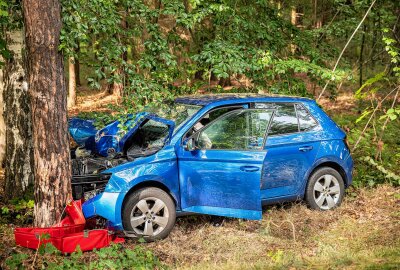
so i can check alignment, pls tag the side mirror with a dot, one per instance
(189, 144)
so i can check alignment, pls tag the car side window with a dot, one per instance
(284, 120)
(237, 130)
(306, 121)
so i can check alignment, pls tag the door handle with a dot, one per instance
(249, 168)
(305, 148)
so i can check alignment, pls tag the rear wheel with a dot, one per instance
(149, 213)
(325, 189)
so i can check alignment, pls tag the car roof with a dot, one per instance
(204, 100)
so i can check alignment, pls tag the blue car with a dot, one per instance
(224, 155)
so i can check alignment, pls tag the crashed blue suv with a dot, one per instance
(223, 155)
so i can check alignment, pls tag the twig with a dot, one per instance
(372, 115)
(380, 142)
(36, 253)
(291, 223)
(345, 47)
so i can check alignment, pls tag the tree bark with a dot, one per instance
(293, 20)
(52, 168)
(2, 123)
(77, 68)
(117, 87)
(71, 83)
(361, 59)
(17, 116)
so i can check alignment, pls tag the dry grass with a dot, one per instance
(364, 231)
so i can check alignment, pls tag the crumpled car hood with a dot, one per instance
(111, 139)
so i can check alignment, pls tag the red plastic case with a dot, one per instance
(67, 235)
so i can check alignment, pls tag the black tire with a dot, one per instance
(312, 194)
(148, 194)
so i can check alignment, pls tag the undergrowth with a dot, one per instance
(113, 257)
(375, 163)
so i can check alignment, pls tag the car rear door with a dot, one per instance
(222, 176)
(292, 145)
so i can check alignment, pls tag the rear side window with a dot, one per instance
(306, 121)
(284, 120)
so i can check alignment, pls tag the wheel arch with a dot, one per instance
(148, 184)
(331, 164)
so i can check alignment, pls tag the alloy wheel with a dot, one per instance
(149, 217)
(326, 192)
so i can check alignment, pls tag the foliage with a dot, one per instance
(19, 211)
(392, 177)
(157, 50)
(3, 19)
(113, 257)
(372, 168)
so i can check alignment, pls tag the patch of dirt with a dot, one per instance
(90, 100)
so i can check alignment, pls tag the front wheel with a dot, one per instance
(149, 213)
(325, 189)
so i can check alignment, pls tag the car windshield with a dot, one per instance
(180, 113)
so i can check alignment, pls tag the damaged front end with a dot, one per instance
(119, 142)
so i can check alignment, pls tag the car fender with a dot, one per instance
(161, 167)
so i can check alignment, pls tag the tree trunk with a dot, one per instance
(315, 11)
(49, 110)
(77, 68)
(17, 116)
(2, 123)
(361, 59)
(71, 82)
(293, 20)
(117, 87)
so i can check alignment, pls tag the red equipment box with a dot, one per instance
(67, 235)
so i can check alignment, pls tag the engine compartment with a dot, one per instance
(88, 179)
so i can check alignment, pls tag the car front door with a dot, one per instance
(292, 145)
(220, 174)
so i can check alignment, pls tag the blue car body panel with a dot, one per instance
(81, 130)
(112, 138)
(228, 183)
(214, 181)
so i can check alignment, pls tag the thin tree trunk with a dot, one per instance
(315, 13)
(49, 110)
(360, 60)
(293, 19)
(117, 87)
(71, 82)
(2, 123)
(77, 68)
(17, 116)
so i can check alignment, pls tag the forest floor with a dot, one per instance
(363, 233)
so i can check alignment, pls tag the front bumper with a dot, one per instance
(106, 205)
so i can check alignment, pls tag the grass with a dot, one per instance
(363, 232)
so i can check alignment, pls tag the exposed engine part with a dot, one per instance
(81, 152)
(85, 166)
(88, 186)
(88, 179)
